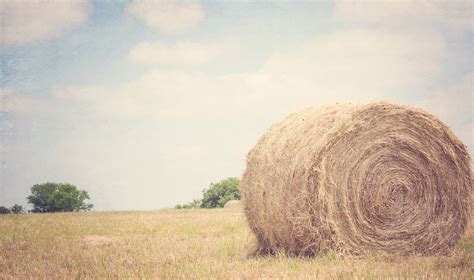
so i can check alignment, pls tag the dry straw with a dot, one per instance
(235, 205)
(358, 179)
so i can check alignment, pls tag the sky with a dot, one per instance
(145, 103)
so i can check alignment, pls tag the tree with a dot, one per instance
(53, 197)
(17, 209)
(4, 210)
(194, 204)
(218, 194)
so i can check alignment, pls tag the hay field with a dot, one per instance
(185, 244)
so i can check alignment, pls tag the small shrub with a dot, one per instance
(194, 204)
(17, 209)
(4, 210)
(218, 194)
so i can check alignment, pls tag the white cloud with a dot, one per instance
(169, 16)
(28, 21)
(184, 53)
(14, 102)
(158, 93)
(454, 14)
(356, 66)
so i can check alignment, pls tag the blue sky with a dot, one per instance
(145, 103)
(96, 52)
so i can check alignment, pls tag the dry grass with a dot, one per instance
(358, 179)
(185, 244)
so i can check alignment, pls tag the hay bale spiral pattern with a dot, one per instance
(358, 179)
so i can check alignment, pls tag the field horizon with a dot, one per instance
(187, 244)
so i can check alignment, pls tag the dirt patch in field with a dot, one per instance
(96, 240)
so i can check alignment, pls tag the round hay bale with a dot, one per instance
(233, 205)
(358, 179)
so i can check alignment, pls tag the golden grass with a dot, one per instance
(185, 244)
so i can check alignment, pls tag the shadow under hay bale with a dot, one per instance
(358, 179)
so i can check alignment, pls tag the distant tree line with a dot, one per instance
(15, 209)
(216, 195)
(58, 197)
(53, 197)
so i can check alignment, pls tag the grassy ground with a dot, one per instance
(185, 244)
